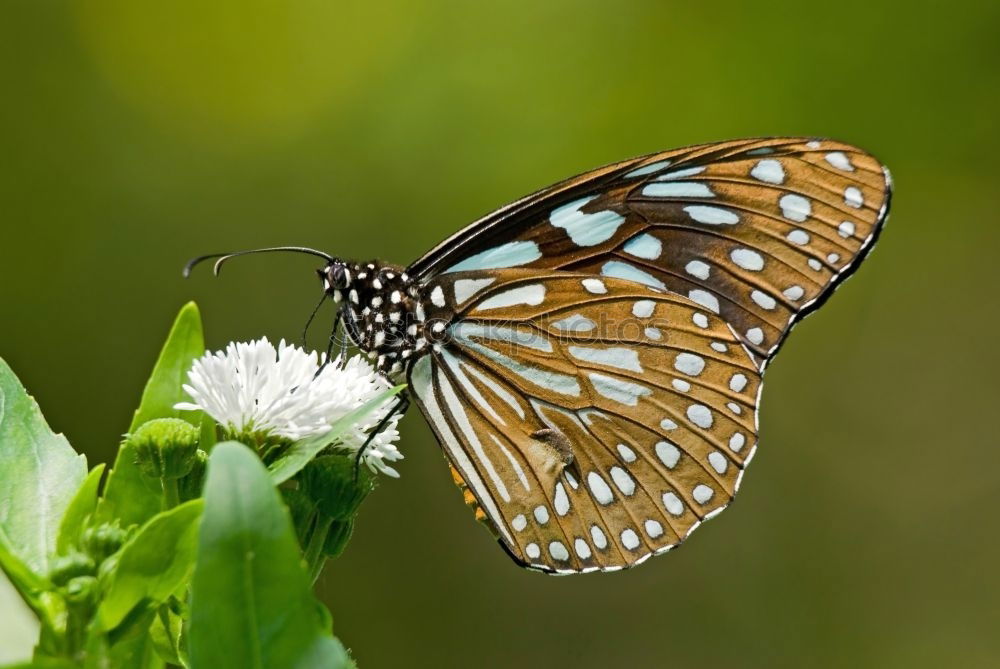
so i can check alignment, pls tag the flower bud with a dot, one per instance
(81, 590)
(329, 481)
(165, 448)
(67, 567)
(103, 541)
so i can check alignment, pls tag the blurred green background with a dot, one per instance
(136, 135)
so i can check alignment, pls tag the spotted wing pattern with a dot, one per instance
(596, 421)
(757, 231)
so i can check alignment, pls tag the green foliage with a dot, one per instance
(251, 602)
(80, 508)
(130, 496)
(110, 575)
(39, 476)
(153, 564)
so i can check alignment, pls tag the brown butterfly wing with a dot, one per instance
(757, 231)
(595, 421)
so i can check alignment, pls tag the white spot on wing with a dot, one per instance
(673, 504)
(668, 454)
(711, 215)
(561, 500)
(643, 308)
(558, 551)
(625, 392)
(768, 171)
(586, 229)
(644, 246)
(595, 286)
(677, 189)
(466, 288)
(681, 174)
(846, 229)
(599, 489)
(630, 539)
(702, 493)
(737, 383)
(647, 169)
(763, 299)
(621, 358)
(698, 269)
(597, 535)
(532, 295)
(737, 441)
(628, 455)
(795, 207)
(747, 259)
(623, 481)
(839, 160)
(544, 378)
(700, 415)
(577, 323)
(853, 197)
(794, 293)
(511, 254)
(797, 236)
(623, 270)
(689, 364)
(705, 299)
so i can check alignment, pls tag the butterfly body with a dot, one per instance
(386, 313)
(590, 357)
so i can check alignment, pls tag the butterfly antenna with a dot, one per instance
(305, 330)
(223, 257)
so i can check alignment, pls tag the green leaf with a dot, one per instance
(83, 505)
(129, 647)
(301, 452)
(39, 475)
(163, 390)
(153, 564)
(129, 496)
(251, 601)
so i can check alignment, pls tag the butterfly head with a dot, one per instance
(337, 277)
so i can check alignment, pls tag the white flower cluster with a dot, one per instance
(253, 387)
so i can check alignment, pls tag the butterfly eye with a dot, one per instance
(338, 275)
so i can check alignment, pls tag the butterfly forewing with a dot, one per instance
(597, 421)
(756, 231)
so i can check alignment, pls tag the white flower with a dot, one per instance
(251, 387)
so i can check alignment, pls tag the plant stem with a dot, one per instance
(314, 551)
(171, 494)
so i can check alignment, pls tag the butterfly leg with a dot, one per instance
(329, 344)
(400, 407)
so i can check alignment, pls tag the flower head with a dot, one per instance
(254, 388)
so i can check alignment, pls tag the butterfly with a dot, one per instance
(590, 357)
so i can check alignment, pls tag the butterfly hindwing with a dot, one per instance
(596, 421)
(757, 231)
